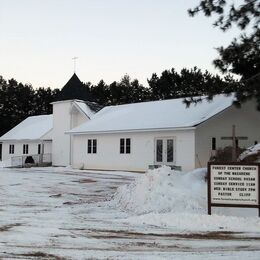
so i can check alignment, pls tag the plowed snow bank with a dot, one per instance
(164, 190)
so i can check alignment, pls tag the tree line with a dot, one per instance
(18, 101)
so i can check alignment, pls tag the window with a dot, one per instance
(125, 145)
(213, 143)
(25, 149)
(11, 149)
(92, 145)
(39, 148)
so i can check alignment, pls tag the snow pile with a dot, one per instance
(164, 190)
(253, 150)
(178, 200)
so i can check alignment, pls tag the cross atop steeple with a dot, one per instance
(75, 60)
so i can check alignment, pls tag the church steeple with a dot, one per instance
(74, 89)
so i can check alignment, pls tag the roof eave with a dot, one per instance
(132, 130)
(68, 100)
(20, 140)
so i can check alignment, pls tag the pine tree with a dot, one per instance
(242, 56)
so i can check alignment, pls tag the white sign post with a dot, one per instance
(233, 185)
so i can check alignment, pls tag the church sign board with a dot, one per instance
(233, 185)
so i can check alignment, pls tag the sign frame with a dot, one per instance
(210, 204)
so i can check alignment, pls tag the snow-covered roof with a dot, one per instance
(32, 128)
(84, 108)
(155, 115)
(48, 135)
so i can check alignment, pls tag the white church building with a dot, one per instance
(32, 137)
(133, 137)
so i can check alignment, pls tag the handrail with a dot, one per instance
(20, 161)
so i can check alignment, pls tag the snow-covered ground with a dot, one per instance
(46, 213)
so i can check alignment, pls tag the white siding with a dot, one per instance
(78, 118)
(47, 147)
(18, 149)
(65, 117)
(61, 142)
(246, 120)
(142, 154)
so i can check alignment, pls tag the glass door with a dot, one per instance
(164, 151)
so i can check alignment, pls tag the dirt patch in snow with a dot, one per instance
(123, 234)
(55, 195)
(8, 227)
(41, 255)
(85, 181)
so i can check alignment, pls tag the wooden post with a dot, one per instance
(258, 191)
(209, 189)
(234, 149)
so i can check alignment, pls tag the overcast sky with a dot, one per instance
(38, 39)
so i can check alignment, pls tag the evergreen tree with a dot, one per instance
(188, 83)
(123, 92)
(242, 56)
(18, 101)
(100, 93)
(43, 97)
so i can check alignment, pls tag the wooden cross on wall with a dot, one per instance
(234, 139)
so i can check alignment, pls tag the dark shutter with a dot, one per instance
(122, 145)
(94, 145)
(89, 145)
(128, 145)
(213, 143)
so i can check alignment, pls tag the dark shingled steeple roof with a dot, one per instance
(75, 89)
(73, 82)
